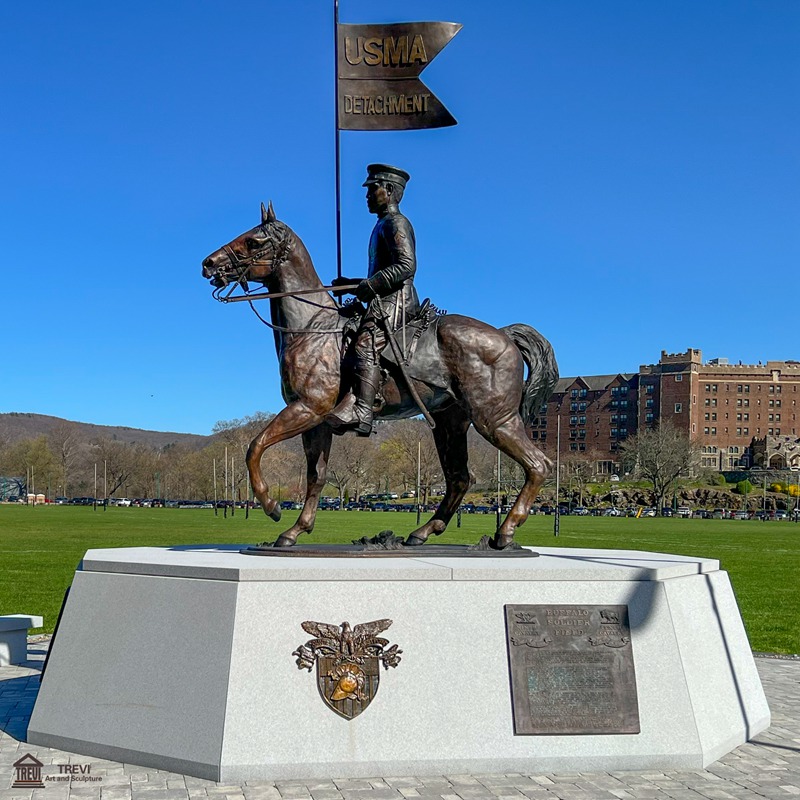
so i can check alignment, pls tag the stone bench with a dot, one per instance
(14, 637)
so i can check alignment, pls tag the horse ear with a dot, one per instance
(264, 215)
(271, 213)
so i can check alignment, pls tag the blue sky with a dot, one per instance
(624, 177)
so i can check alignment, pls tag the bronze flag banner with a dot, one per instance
(378, 87)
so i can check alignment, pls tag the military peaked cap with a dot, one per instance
(384, 172)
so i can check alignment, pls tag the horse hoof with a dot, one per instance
(273, 513)
(413, 541)
(502, 542)
(284, 541)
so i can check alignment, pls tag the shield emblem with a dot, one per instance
(348, 662)
(347, 688)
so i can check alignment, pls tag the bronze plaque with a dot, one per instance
(571, 670)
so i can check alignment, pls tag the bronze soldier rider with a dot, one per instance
(388, 290)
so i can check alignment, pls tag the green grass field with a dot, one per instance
(40, 548)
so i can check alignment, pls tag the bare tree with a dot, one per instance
(577, 470)
(63, 441)
(408, 437)
(349, 464)
(660, 455)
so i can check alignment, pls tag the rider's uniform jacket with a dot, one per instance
(392, 264)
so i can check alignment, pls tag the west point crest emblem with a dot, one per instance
(348, 662)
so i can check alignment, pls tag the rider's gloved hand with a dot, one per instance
(344, 282)
(365, 292)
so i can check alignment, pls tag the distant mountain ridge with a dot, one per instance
(15, 426)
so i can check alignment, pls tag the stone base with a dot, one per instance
(181, 659)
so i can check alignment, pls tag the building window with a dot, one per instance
(746, 388)
(707, 416)
(573, 393)
(678, 378)
(746, 431)
(714, 402)
(581, 420)
(714, 417)
(573, 446)
(707, 401)
(650, 388)
(713, 431)
(678, 408)
(573, 420)
(738, 431)
(583, 393)
(581, 406)
(648, 417)
(649, 403)
(706, 431)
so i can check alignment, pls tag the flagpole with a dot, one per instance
(336, 128)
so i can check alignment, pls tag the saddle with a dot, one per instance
(422, 360)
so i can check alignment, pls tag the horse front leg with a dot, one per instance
(450, 436)
(295, 419)
(317, 447)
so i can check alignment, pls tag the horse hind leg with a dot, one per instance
(450, 436)
(511, 439)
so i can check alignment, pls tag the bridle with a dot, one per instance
(280, 245)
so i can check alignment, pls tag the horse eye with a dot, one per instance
(252, 244)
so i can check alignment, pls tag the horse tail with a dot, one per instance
(542, 368)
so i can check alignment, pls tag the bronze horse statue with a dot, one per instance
(483, 368)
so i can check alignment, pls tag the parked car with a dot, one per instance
(580, 511)
(612, 512)
(700, 513)
(648, 512)
(781, 514)
(684, 512)
(666, 511)
(740, 515)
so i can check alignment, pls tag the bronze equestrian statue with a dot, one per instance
(388, 285)
(462, 371)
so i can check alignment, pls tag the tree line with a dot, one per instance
(62, 464)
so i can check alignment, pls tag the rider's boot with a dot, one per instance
(355, 411)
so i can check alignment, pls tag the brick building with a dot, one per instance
(723, 407)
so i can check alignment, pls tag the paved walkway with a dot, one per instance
(769, 766)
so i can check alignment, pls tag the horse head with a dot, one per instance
(253, 256)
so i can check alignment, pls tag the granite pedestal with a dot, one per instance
(181, 659)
